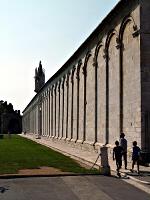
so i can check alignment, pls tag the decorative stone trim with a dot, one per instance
(136, 31)
(78, 69)
(72, 74)
(119, 44)
(67, 80)
(95, 63)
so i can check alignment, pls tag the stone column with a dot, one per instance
(75, 93)
(55, 110)
(101, 95)
(114, 90)
(35, 120)
(69, 107)
(45, 113)
(49, 112)
(67, 103)
(89, 100)
(84, 71)
(81, 106)
(106, 56)
(63, 106)
(60, 109)
(78, 95)
(34, 117)
(65, 109)
(42, 115)
(31, 120)
(72, 100)
(95, 65)
(52, 110)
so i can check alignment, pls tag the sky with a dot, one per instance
(46, 30)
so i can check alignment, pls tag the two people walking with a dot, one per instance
(120, 151)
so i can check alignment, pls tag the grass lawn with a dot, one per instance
(19, 153)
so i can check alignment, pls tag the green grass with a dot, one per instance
(20, 153)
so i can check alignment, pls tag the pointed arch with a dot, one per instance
(98, 46)
(88, 55)
(125, 21)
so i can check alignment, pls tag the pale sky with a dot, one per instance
(46, 30)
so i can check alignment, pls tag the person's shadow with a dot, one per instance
(3, 189)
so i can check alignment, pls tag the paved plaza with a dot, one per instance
(69, 188)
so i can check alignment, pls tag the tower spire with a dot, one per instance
(39, 77)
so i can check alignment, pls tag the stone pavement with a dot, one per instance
(89, 158)
(86, 187)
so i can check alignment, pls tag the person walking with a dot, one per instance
(135, 156)
(117, 155)
(123, 144)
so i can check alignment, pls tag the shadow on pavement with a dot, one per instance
(3, 189)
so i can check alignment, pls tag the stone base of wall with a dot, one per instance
(86, 146)
(79, 144)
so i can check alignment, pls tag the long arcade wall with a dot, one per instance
(97, 92)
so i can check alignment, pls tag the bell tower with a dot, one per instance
(39, 77)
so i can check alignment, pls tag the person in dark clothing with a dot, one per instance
(135, 156)
(117, 155)
(123, 144)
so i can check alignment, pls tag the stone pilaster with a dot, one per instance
(81, 106)
(72, 100)
(55, 111)
(67, 103)
(95, 65)
(48, 112)
(78, 95)
(101, 96)
(52, 112)
(113, 89)
(42, 115)
(63, 106)
(58, 110)
(89, 100)
(69, 106)
(106, 56)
